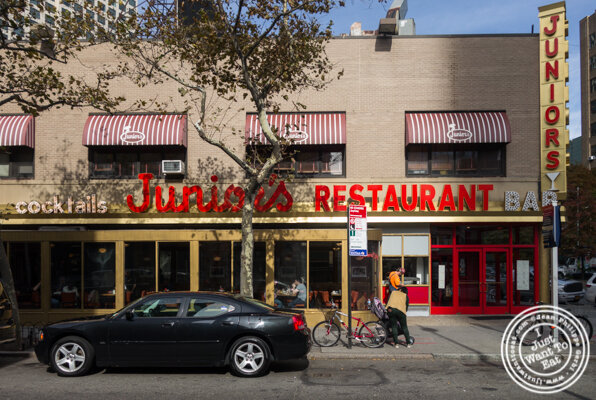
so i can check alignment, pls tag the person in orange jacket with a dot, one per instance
(396, 283)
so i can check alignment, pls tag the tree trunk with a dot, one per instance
(8, 283)
(248, 242)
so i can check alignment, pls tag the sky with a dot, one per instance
(442, 17)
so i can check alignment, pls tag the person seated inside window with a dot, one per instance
(299, 289)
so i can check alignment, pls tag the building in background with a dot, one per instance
(575, 151)
(102, 12)
(587, 33)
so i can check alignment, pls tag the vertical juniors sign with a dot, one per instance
(554, 95)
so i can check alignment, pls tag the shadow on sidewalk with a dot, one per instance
(472, 350)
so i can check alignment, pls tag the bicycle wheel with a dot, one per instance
(325, 334)
(530, 335)
(587, 326)
(373, 334)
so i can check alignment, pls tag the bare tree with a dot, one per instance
(255, 52)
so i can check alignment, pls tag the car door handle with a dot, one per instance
(228, 323)
(168, 324)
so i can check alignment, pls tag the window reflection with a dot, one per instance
(442, 277)
(174, 266)
(364, 277)
(290, 272)
(100, 269)
(25, 263)
(325, 274)
(139, 269)
(214, 266)
(66, 274)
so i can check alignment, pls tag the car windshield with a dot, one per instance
(255, 302)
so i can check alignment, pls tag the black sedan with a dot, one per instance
(178, 329)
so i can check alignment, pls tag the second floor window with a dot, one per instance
(16, 162)
(309, 161)
(118, 163)
(455, 160)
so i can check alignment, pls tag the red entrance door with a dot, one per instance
(482, 278)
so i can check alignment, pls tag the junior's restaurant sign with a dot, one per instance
(554, 95)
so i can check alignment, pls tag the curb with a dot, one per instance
(20, 354)
(412, 356)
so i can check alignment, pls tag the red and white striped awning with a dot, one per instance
(304, 128)
(457, 127)
(136, 130)
(17, 130)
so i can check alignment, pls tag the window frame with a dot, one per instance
(13, 152)
(475, 168)
(164, 153)
(288, 166)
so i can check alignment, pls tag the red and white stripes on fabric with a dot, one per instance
(320, 128)
(485, 127)
(106, 130)
(17, 130)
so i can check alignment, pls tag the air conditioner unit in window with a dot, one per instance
(172, 166)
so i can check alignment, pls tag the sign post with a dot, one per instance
(357, 246)
(551, 232)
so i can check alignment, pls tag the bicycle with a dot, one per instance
(327, 333)
(531, 335)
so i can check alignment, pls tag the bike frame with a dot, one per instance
(359, 322)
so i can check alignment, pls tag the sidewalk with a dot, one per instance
(437, 337)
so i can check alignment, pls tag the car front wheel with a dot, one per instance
(72, 356)
(249, 356)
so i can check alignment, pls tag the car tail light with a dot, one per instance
(298, 321)
(587, 286)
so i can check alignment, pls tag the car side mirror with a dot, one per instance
(130, 315)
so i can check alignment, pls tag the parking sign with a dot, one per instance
(357, 230)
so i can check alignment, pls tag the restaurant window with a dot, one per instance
(442, 235)
(455, 160)
(128, 163)
(491, 234)
(442, 277)
(16, 162)
(215, 266)
(364, 277)
(65, 266)
(174, 266)
(25, 262)
(139, 269)
(304, 161)
(415, 257)
(523, 234)
(290, 268)
(259, 266)
(99, 270)
(325, 274)
(523, 277)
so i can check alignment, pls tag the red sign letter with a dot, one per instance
(355, 194)
(427, 194)
(337, 198)
(485, 189)
(551, 31)
(322, 197)
(552, 156)
(375, 198)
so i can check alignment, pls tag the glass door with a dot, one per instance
(470, 281)
(496, 300)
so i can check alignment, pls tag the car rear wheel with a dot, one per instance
(250, 356)
(72, 356)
